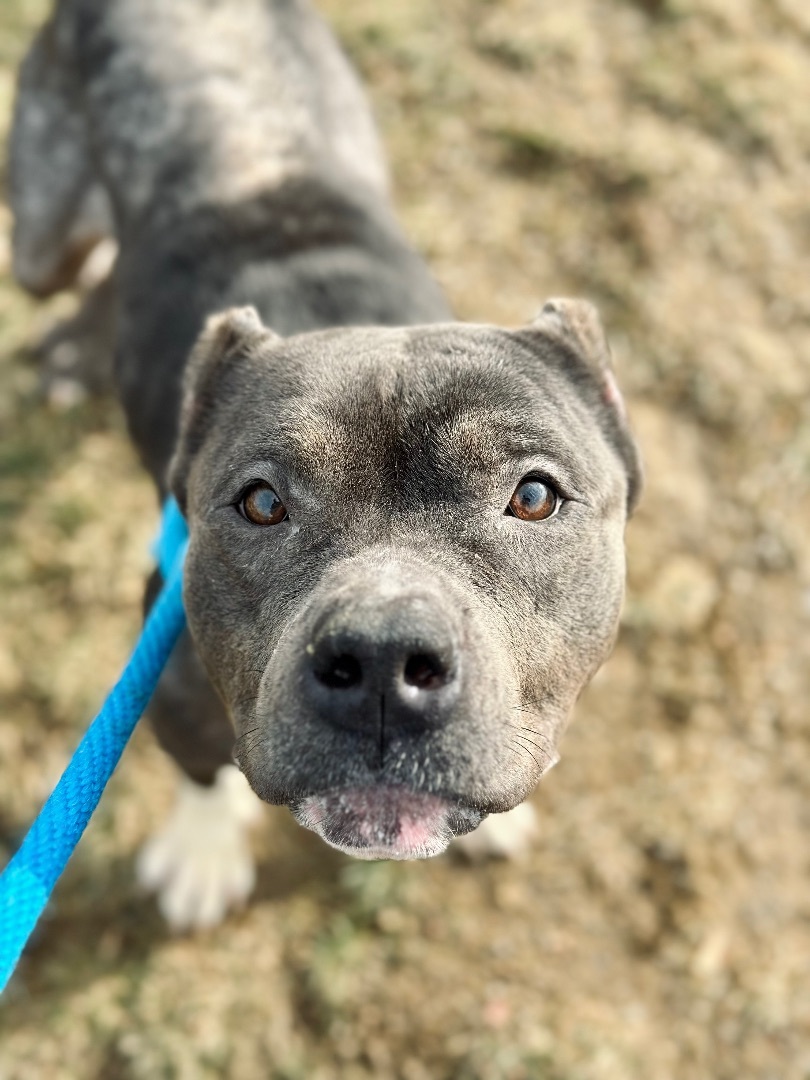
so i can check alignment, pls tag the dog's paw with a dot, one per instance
(200, 863)
(502, 836)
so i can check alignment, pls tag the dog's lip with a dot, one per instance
(386, 821)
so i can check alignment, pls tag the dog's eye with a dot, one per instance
(262, 506)
(534, 500)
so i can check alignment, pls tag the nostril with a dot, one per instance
(340, 673)
(425, 671)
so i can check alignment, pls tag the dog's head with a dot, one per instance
(406, 560)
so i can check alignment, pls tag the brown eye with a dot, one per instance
(534, 500)
(262, 506)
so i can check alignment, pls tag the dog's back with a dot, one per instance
(214, 102)
(239, 162)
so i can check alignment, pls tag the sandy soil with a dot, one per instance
(654, 156)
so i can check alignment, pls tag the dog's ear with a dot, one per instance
(576, 325)
(225, 339)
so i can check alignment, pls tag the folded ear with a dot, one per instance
(577, 323)
(577, 326)
(226, 339)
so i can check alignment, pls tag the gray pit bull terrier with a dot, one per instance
(406, 554)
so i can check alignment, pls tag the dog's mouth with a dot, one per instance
(386, 822)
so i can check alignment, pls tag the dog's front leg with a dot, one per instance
(502, 836)
(200, 863)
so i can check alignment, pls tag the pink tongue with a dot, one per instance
(379, 823)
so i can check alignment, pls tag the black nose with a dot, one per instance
(374, 661)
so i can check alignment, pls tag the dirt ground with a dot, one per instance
(654, 156)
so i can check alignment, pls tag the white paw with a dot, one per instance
(200, 863)
(502, 836)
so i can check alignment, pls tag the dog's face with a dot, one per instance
(406, 560)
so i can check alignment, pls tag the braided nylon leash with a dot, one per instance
(28, 879)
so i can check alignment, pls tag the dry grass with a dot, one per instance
(653, 156)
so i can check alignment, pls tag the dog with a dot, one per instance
(406, 555)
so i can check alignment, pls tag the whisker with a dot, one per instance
(245, 747)
(537, 746)
(531, 742)
(546, 742)
(533, 731)
(529, 703)
(531, 755)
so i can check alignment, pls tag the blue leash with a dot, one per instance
(28, 879)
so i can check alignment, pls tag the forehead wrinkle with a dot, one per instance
(459, 437)
(296, 433)
(315, 443)
(509, 435)
(361, 433)
(458, 420)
